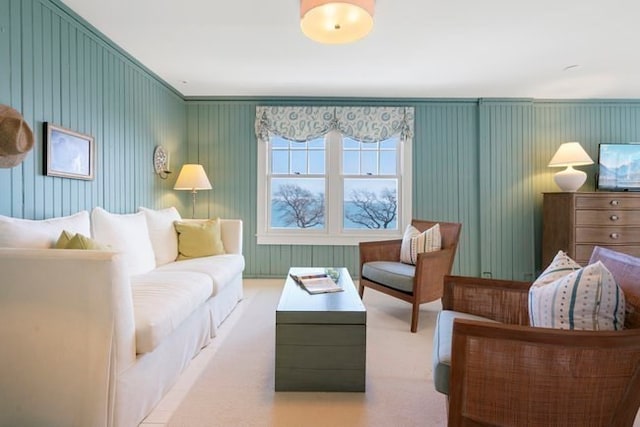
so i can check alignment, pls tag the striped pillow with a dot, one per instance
(414, 242)
(561, 265)
(583, 299)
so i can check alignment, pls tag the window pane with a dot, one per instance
(349, 143)
(297, 203)
(387, 163)
(369, 145)
(316, 162)
(351, 162)
(369, 162)
(278, 142)
(316, 143)
(279, 161)
(370, 204)
(299, 162)
(389, 143)
(298, 145)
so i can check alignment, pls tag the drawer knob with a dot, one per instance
(614, 236)
(614, 217)
(614, 203)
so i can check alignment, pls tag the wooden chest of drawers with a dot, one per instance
(576, 222)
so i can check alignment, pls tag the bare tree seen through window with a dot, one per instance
(372, 211)
(299, 207)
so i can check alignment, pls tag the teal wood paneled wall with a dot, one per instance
(56, 68)
(506, 191)
(221, 136)
(482, 162)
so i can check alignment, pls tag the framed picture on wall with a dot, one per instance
(69, 154)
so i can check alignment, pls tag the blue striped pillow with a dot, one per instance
(586, 298)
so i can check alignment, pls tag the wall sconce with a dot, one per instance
(570, 154)
(161, 162)
(192, 177)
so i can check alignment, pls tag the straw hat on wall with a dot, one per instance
(16, 138)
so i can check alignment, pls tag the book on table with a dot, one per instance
(316, 283)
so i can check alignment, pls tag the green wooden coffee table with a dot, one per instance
(320, 339)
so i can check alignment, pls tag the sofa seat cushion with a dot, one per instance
(395, 275)
(442, 341)
(162, 301)
(221, 269)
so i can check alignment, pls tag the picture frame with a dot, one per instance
(69, 154)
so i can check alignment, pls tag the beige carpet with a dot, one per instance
(237, 386)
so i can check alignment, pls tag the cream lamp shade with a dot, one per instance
(335, 22)
(570, 154)
(192, 177)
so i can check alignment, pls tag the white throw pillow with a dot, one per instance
(560, 266)
(43, 234)
(126, 233)
(586, 298)
(414, 242)
(162, 233)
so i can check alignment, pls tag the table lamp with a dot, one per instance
(570, 154)
(192, 177)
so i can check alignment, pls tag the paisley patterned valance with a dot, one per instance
(366, 124)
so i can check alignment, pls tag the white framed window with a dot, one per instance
(333, 188)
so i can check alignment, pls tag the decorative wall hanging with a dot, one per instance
(69, 154)
(16, 138)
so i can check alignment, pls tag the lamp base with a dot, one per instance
(570, 179)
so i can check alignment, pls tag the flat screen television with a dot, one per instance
(619, 167)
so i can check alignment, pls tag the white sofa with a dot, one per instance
(89, 341)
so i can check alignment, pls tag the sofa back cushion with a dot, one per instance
(126, 233)
(162, 233)
(40, 234)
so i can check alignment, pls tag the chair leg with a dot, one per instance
(361, 290)
(415, 310)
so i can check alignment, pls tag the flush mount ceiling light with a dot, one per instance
(334, 22)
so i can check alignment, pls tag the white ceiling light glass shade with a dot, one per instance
(335, 22)
(570, 154)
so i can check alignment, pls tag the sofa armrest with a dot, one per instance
(67, 330)
(504, 301)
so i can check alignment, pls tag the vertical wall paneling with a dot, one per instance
(6, 30)
(56, 68)
(221, 137)
(506, 189)
(445, 168)
(480, 162)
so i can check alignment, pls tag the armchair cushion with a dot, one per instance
(395, 275)
(442, 341)
(415, 242)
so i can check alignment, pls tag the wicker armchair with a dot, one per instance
(425, 280)
(510, 374)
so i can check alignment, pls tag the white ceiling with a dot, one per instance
(417, 49)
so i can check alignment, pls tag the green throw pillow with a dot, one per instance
(68, 240)
(83, 242)
(64, 239)
(199, 239)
